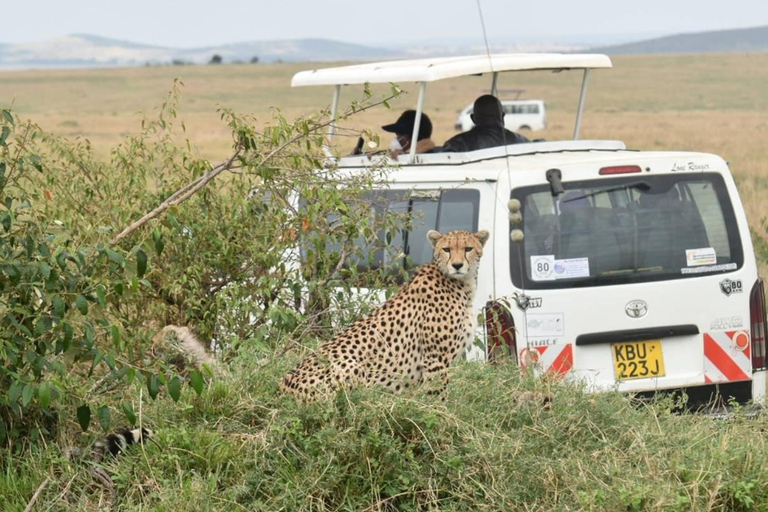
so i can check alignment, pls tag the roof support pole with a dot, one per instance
(334, 108)
(495, 84)
(417, 122)
(581, 105)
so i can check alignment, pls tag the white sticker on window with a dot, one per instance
(713, 268)
(545, 324)
(703, 256)
(543, 267)
(573, 267)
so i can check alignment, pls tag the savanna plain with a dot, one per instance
(242, 446)
(712, 103)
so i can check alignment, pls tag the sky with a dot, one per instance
(200, 23)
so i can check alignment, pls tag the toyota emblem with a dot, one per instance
(636, 309)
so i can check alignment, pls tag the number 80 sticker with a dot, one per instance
(543, 268)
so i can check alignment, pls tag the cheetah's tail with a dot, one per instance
(188, 343)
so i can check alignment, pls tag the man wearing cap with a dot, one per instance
(403, 130)
(488, 132)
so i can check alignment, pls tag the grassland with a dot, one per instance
(709, 103)
(243, 446)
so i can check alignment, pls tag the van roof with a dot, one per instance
(488, 163)
(440, 68)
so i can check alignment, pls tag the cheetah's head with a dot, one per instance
(458, 252)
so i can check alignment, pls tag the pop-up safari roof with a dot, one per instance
(423, 71)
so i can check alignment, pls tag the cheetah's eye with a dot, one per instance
(447, 249)
(468, 249)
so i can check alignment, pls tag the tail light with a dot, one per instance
(620, 169)
(500, 331)
(757, 323)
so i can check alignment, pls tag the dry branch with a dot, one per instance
(179, 196)
(36, 495)
(194, 186)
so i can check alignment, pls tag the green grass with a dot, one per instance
(243, 446)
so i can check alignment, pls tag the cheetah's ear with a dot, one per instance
(433, 236)
(482, 236)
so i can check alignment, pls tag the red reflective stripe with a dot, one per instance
(707, 379)
(722, 360)
(563, 362)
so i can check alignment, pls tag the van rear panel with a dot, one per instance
(692, 342)
(636, 280)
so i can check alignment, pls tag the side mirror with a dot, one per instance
(359, 146)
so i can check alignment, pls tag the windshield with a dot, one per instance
(625, 230)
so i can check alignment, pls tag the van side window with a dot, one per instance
(424, 216)
(531, 108)
(443, 210)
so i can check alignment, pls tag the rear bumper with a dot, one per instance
(710, 397)
(698, 391)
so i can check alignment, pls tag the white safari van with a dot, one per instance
(518, 115)
(629, 270)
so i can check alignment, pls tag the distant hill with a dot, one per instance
(82, 50)
(736, 40)
(289, 50)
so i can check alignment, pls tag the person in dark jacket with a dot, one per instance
(488, 132)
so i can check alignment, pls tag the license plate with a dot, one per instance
(638, 359)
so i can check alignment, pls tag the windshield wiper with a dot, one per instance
(642, 185)
(554, 177)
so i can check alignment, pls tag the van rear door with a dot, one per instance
(637, 282)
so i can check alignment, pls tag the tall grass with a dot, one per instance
(243, 446)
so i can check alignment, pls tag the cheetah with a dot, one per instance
(410, 339)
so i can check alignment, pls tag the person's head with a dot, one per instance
(403, 128)
(487, 111)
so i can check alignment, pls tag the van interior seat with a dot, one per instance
(668, 226)
(588, 232)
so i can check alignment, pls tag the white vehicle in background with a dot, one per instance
(629, 270)
(518, 115)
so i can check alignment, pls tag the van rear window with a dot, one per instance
(625, 230)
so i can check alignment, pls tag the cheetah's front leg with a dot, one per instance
(436, 377)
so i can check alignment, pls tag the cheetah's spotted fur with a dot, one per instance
(413, 337)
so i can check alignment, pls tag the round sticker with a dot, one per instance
(543, 267)
(741, 340)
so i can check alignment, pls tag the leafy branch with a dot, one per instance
(196, 185)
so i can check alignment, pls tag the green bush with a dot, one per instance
(54, 294)
(81, 297)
